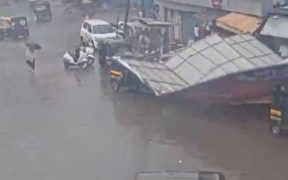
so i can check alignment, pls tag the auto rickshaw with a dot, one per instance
(279, 110)
(123, 78)
(115, 79)
(13, 27)
(42, 11)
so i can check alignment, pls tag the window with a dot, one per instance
(89, 29)
(103, 29)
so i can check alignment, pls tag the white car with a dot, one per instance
(94, 30)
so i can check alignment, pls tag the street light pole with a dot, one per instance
(117, 25)
(126, 17)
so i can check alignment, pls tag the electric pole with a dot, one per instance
(126, 17)
(143, 8)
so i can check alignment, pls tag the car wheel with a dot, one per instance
(84, 65)
(66, 65)
(91, 60)
(115, 85)
(276, 129)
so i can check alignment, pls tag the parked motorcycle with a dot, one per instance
(86, 58)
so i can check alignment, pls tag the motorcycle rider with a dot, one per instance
(77, 51)
(102, 53)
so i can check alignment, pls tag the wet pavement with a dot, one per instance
(68, 125)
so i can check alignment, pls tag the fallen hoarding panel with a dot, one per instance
(215, 68)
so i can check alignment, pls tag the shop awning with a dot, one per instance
(239, 23)
(276, 26)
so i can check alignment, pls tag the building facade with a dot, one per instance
(192, 19)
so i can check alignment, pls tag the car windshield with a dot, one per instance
(102, 29)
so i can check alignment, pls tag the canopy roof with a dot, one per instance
(206, 60)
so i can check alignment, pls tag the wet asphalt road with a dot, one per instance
(68, 125)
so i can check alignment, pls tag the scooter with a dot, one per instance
(89, 53)
(86, 58)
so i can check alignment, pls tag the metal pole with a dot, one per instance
(126, 17)
(143, 8)
(117, 25)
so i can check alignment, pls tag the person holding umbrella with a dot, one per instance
(30, 54)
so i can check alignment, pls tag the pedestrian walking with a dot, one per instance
(30, 56)
(196, 33)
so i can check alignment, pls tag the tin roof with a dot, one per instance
(151, 22)
(239, 23)
(206, 60)
(276, 26)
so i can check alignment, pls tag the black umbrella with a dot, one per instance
(33, 46)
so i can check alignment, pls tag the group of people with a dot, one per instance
(151, 40)
(201, 31)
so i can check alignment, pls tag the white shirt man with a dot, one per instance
(30, 57)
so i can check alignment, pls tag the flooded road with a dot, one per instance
(68, 125)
